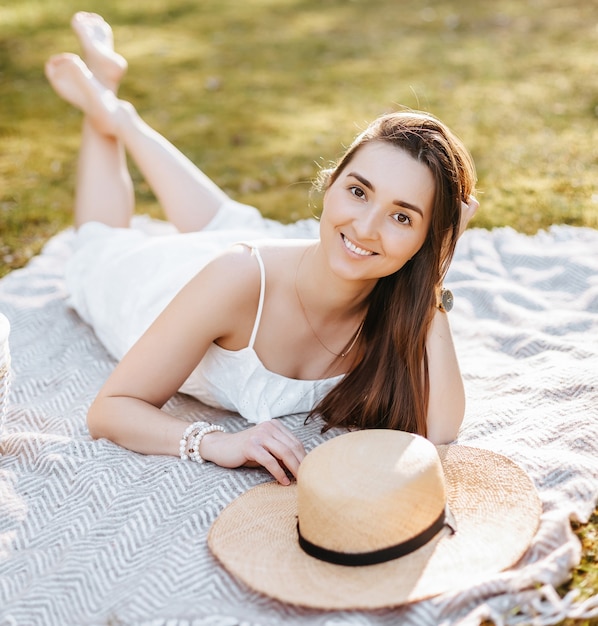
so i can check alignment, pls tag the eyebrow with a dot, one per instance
(366, 183)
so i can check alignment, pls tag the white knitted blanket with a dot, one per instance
(93, 534)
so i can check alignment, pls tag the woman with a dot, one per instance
(345, 325)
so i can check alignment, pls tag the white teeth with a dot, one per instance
(355, 249)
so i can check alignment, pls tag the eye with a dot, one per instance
(402, 218)
(357, 191)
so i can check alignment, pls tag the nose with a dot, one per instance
(367, 224)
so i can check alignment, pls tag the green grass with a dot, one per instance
(260, 92)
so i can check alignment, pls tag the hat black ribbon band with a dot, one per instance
(376, 556)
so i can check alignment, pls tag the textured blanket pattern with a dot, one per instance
(93, 534)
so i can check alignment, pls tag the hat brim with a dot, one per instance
(494, 504)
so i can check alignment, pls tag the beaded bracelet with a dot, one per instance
(196, 441)
(184, 442)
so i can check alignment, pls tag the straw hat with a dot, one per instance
(373, 495)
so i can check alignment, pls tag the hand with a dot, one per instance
(468, 210)
(269, 444)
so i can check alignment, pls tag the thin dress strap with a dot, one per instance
(260, 306)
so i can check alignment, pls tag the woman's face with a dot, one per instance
(376, 214)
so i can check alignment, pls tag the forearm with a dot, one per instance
(141, 427)
(135, 425)
(446, 403)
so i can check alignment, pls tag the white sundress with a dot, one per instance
(120, 279)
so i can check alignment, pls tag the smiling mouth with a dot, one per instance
(356, 249)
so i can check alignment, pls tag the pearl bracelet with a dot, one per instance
(184, 442)
(196, 441)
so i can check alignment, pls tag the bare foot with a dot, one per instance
(97, 42)
(73, 81)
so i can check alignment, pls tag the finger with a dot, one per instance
(468, 210)
(473, 203)
(285, 455)
(282, 433)
(291, 449)
(285, 436)
(276, 449)
(264, 458)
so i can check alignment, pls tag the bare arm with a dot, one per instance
(446, 404)
(218, 304)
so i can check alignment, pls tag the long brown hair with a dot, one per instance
(389, 385)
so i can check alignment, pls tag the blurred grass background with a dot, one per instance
(260, 93)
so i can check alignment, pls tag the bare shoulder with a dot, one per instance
(239, 267)
(280, 256)
(236, 264)
(217, 305)
(226, 295)
(228, 289)
(232, 277)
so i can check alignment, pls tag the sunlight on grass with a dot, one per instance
(261, 92)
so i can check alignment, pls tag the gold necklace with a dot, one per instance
(356, 335)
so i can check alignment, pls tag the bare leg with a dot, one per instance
(189, 198)
(104, 190)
